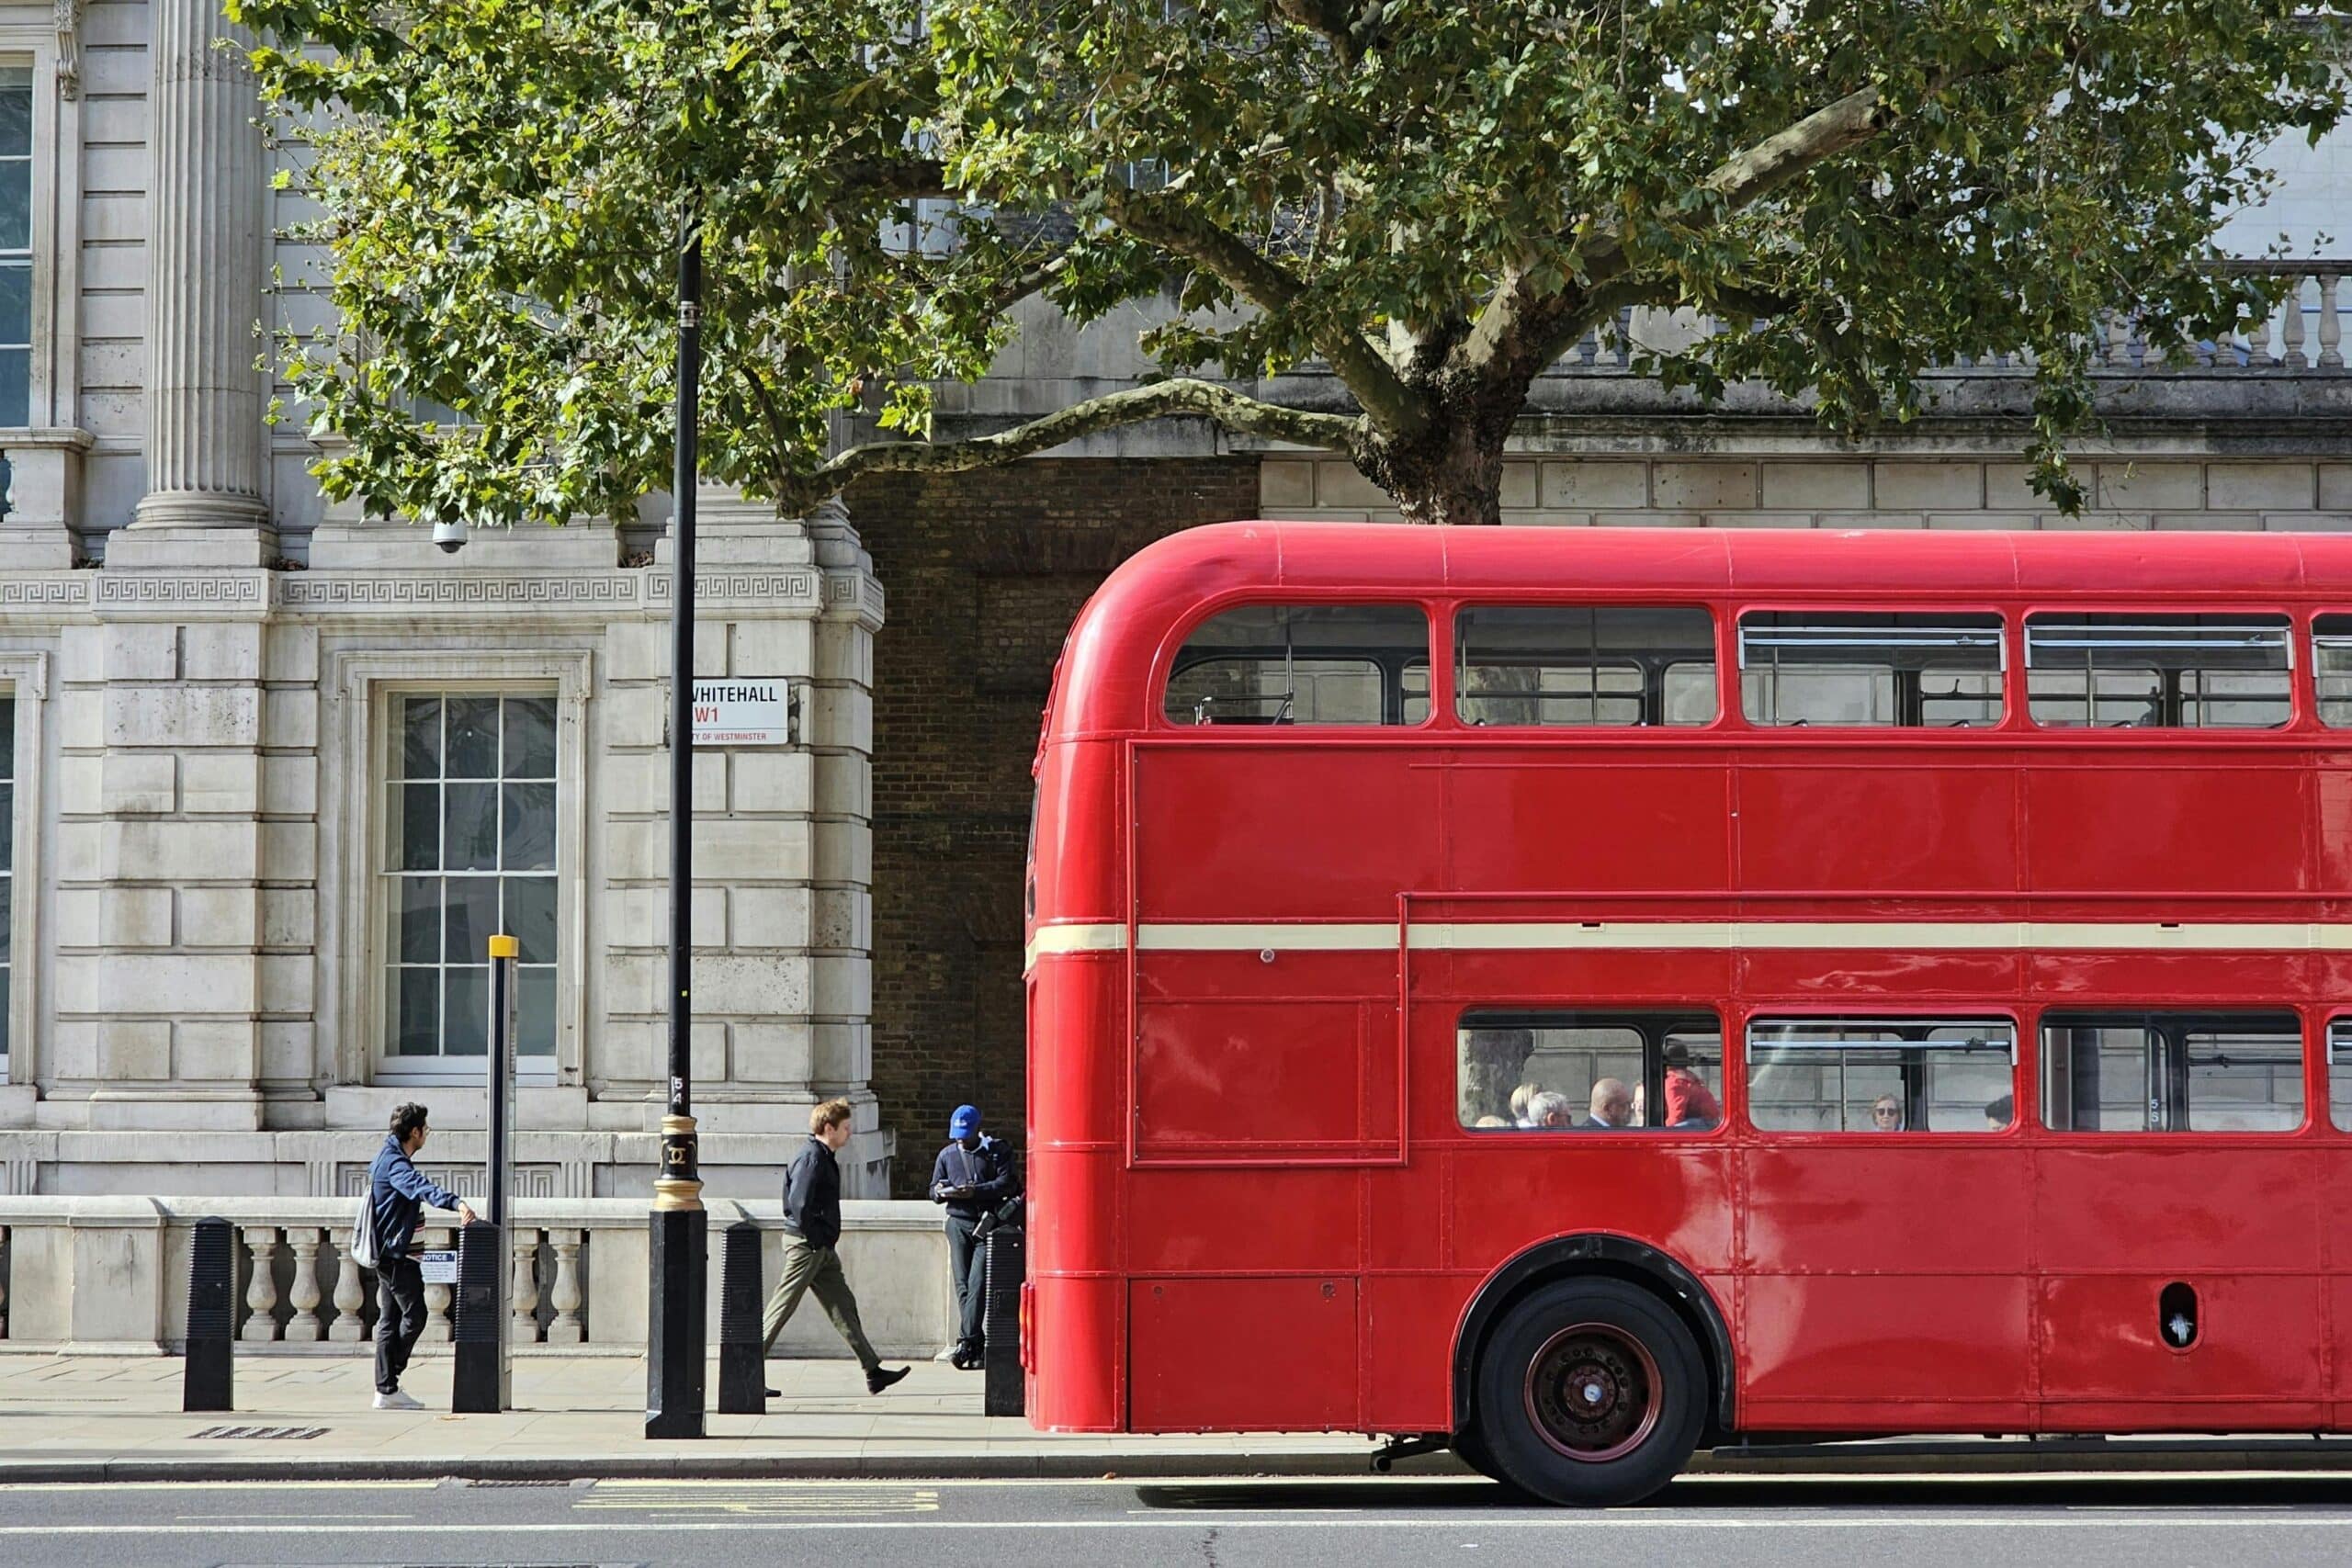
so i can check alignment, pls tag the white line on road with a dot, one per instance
(2335, 1521)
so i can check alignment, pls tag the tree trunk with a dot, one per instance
(1451, 471)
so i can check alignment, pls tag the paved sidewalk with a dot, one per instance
(119, 1417)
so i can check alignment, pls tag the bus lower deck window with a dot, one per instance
(2331, 669)
(1567, 1071)
(2163, 672)
(1870, 1075)
(2172, 1072)
(1318, 664)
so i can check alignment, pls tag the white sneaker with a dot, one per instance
(397, 1400)
(947, 1353)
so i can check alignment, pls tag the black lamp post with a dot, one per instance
(680, 1242)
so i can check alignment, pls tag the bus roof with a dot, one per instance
(1160, 589)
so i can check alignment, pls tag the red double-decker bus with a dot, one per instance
(1584, 995)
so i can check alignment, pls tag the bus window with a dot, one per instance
(2161, 672)
(2172, 1072)
(1908, 1075)
(1322, 664)
(1940, 671)
(2339, 1073)
(2332, 668)
(1584, 664)
(1591, 1071)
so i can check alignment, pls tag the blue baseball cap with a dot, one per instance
(964, 1122)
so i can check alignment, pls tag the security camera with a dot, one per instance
(450, 535)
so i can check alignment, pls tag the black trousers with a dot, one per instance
(968, 1259)
(399, 1319)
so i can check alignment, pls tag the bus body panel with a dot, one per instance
(1255, 1204)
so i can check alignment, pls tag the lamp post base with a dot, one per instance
(676, 1338)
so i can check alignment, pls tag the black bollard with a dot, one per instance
(1002, 1390)
(477, 1387)
(209, 1381)
(742, 1378)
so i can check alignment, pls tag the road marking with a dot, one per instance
(1453, 1522)
(757, 1497)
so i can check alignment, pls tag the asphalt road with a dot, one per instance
(2144, 1521)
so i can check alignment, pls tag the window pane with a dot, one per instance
(416, 1019)
(16, 112)
(5, 977)
(7, 738)
(16, 303)
(1880, 1074)
(7, 827)
(416, 844)
(1583, 665)
(529, 820)
(472, 919)
(2332, 668)
(2172, 1072)
(470, 824)
(16, 387)
(1280, 664)
(2339, 1073)
(530, 738)
(7, 908)
(530, 916)
(16, 202)
(1934, 668)
(1596, 1072)
(465, 1030)
(421, 738)
(473, 737)
(420, 918)
(2180, 671)
(536, 1029)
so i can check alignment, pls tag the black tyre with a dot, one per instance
(1591, 1392)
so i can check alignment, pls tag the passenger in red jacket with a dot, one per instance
(1688, 1100)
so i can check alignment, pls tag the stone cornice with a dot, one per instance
(789, 593)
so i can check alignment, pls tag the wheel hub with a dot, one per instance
(1593, 1391)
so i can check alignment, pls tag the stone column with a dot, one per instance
(207, 254)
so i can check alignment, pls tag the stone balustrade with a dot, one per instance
(111, 1274)
(2304, 331)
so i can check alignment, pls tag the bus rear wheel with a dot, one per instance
(1590, 1393)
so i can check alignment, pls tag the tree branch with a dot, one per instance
(1177, 228)
(1160, 399)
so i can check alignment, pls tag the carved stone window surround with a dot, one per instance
(361, 687)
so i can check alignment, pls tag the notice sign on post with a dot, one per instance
(743, 710)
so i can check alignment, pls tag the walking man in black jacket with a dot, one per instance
(974, 1178)
(812, 1227)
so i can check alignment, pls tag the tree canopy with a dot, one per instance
(1435, 199)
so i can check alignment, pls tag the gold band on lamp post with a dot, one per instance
(677, 1154)
(505, 947)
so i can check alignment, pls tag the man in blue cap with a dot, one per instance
(973, 1176)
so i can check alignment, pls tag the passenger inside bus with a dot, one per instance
(2000, 1113)
(1886, 1114)
(1877, 1075)
(1611, 1107)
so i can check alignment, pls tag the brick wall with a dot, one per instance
(984, 573)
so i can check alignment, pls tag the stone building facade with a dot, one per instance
(268, 771)
(273, 773)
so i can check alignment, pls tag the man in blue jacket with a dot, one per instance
(397, 1192)
(974, 1178)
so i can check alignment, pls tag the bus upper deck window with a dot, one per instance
(1316, 664)
(1911, 1075)
(2185, 672)
(1584, 664)
(1937, 670)
(2332, 668)
(2172, 1072)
